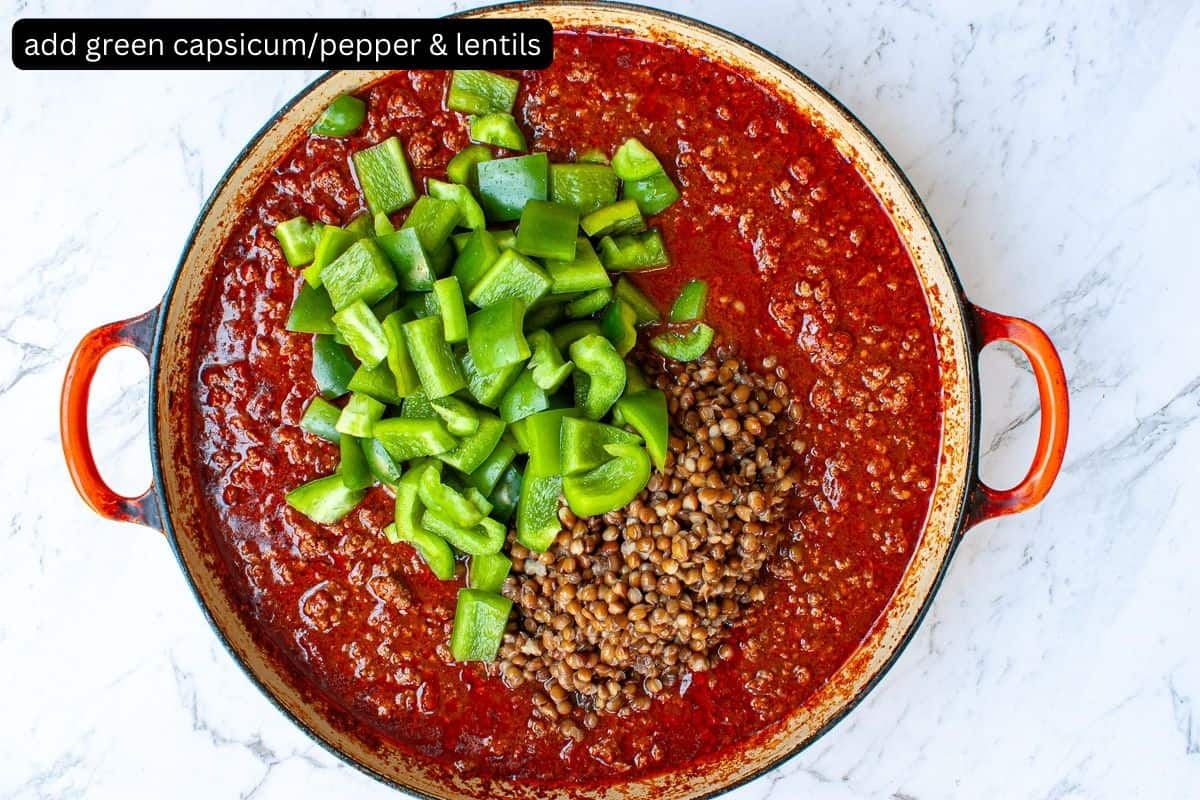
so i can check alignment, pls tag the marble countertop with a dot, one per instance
(1058, 147)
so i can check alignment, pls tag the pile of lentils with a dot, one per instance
(623, 606)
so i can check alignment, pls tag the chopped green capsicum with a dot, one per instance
(325, 500)
(295, 237)
(634, 161)
(505, 496)
(332, 366)
(479, 622)
(413, 268)
(384, 176)
(448, 304)
(487, 572)
(405, 438)
(320, 419)
(362, 332)
(447, 502)
(469, 211)
(611, 485)
(398, 359)
(488, 387)
(477, 256)
(433, 220)
(583, 187)
(646, 412)
(496, 336)
(619, 325)
(499, 129)
(363, 272)
(432, 357)
(380, 463)
(377, 381)
(584, 273)
(548, 230)
(684, 346)
(621, 217)
(476, 91)
(642, 305)
(511, 276)
(549, 370)
(588, 304)
(461, 168)
(482, 538)
(653, 194)
(507, 184)
(311, 312)
(359, 416)
(689, 305)
(353, 467)
(471, 451)
(332, 242)
(582, 444)
(599, 375)
(633, 252)
(342, 117)
(488, 474)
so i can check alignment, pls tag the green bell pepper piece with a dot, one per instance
(447, 502)
(477, 256)
(583, 187)
(488, 387)
(618, 324)
(548, 369)
(382, 466)
(311, 312)
(384, 176)
(340, 118)
(476, 91)
(432, 549)
(633, 252)
(479, 499)
(413, 268)
(359, 416)
(635, 381)
(461, 418)
(320, 419)
(362, 225)
(512, 276)
(643, 307)
(689, 305)
(506, 494)
(523, 398)
(353, 467)
(622, 217)
(383, 224)
(599, 375)
(566, 335)
(398, 359)
(485, 477)
(611, 485)
(485, 537)
(499, 129)
(332, 242)
(446, 301)
(406, 438)
(363, 272)
(388, 305)
(295, 237)
(584, 273)
(507, 184)
(537, 510)
(548, 230)
(325, 500)
(378, 382)
(634, 161)
(487, 573)
(470, 213)
(418, 406)
(506, 239)
(473, 450)
(432, 357)
(653, 194)
(362, 332)
(496, 337)
(461, 168)
(433, 220)
(479, 622)
(550, 310)
(684, 346)
(590, 303)
(540, 435)
(583, 441)
(593, 155)
(332, 366)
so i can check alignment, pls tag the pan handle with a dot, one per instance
(986, 502)
(138, 333)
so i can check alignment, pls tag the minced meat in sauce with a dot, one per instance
(806, 275)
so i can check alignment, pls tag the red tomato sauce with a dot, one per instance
(803, 265)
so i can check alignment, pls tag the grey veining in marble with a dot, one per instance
(1058, 147)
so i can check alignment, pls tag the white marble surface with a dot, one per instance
(1058, 146)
